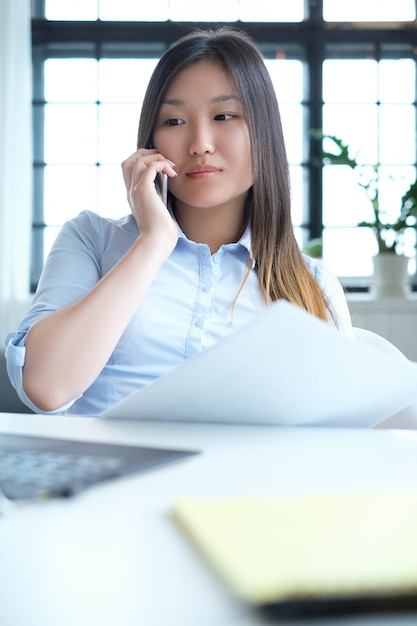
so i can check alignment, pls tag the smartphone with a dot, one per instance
(161, 184)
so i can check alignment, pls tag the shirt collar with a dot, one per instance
(245, 241)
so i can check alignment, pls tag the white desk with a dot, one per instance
(112, 555)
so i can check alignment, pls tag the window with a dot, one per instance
(370, 103)
(357, 82)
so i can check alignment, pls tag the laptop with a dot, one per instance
(38, 467)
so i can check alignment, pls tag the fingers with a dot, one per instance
(129, 164)
(139, 174)
(143, 166)
(148, 209)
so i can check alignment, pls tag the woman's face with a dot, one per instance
(201, 127)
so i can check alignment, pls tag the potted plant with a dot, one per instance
(390, 265)
(314, 248)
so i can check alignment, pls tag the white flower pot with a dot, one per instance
(390, 278)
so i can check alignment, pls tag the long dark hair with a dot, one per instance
(280, 266)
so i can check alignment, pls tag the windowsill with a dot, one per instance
(360, 285)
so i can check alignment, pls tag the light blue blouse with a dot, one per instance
(187, 309)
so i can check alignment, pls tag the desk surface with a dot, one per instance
(112, 555)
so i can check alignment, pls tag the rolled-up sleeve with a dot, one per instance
(15, 360)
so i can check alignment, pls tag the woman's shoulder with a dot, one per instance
(333, 292)
(91, 221)
(325, 277)
(98, 232)
(315, 265)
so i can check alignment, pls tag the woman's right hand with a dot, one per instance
(151, 215)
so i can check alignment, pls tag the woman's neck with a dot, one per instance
(214, 226)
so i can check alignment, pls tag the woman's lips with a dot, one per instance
(203, 171)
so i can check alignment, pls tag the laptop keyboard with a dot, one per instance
(35, 467)
(52, 472)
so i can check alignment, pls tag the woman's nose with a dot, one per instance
(201, 140)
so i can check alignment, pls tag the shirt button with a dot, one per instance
(216, 258)
(199, 323)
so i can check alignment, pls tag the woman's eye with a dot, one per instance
(224, 116)
(174, 121)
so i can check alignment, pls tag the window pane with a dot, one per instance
(112, 201)
(213, 11)
(394, 182)
(134, 10)
(124, 80)
(348, 207)
(117, 132)
(69, 190)
(271, 11)
(71, 133)
(397, 134)
(397, 79)
(297, 175)
(350, 80)
(300, 236)
(349, 251)
(73, 10)
(287, 76)
(357, 125)
(70, 80)
(368, 10)
(292, 125)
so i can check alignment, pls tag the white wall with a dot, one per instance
(15, 160)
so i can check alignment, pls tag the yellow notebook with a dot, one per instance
(311, 554)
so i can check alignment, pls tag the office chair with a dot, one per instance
(407, 418)
(9, 400)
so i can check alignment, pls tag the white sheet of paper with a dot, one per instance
(285, 368)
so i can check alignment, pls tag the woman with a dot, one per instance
(121, 303)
